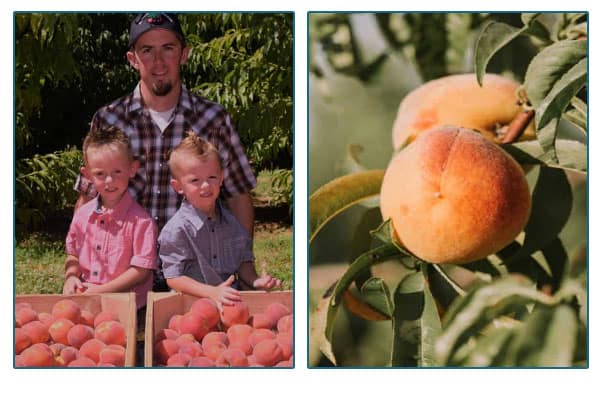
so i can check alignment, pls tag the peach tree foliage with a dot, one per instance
(530, 307)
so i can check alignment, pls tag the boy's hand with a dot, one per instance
(73, 285)
(225, 294)
(265, 282)
(91, 288)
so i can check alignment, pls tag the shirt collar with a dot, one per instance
(117, 214)
(196, 217)
(137, 103)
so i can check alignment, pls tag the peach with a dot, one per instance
(25, 315)
(454, 197)
(212, 337)
(112, 354)
(87, 318)
(46, 319)
(237, 313)
(165, 349)
(284, 363)
(194, 349)
(458, 100)
(232, 358)
(286, 342)
(268, 353)
(238, 332)
(262, 320)
(106, 365)
(201, 362)
(22, 340)
(258, 335)
(56, 348)
(67, 308)
(185, 338)
(194, 324)
(167, 333)
(206, 309)
(59, 330)
(82, 362)
(66, 355)
(277, 310)
(174, 322)
(22, 304)
(91, 349)
(285, 323)
(105, 316)
(179, 360)
(37, 355)
(37, 331)
(252, 362)
(111, 332)
(19, 361)
(79, 334)
(214, 350)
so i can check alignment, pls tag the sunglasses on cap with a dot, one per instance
(154, 18)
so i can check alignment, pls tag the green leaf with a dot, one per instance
(517, 261)
(571, 154)
(384, 233)
(556, 257)
(471, 313)
(323, 319)
(483, 266)
(493, 37)
(442, 286)
(565, 88)
(550, 209)
(549, 65)
(340, 194)
(376, 293)
(361, 240)
(489, 348)
(546, 339)
(415, 323)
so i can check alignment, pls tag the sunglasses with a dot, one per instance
(154, 18)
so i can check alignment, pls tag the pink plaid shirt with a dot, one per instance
(107, 244)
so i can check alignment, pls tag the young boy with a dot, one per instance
(203, 245)
(111, 244)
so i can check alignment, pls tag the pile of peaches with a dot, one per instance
(208, 337)
(69, 336)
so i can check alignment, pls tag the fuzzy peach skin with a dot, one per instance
(454, 197)
(458, 100)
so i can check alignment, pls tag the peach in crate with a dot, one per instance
(70, 325)
(223, 343)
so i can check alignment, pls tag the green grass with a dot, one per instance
(273, 254)
(40, 261)
(39, 265)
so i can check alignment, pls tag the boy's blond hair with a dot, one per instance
(195, 146)
(106, 137)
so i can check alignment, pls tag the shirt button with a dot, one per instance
(215, 256)
(98, 247)
(95, 273)
(158, 191)
(212, 230)
(102, 221)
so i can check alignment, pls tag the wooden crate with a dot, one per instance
(122, 304)
(162, 306)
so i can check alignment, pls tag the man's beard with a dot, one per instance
(162, 88)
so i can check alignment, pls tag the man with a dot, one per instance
(156, 116)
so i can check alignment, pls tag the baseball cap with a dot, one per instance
(144, 22)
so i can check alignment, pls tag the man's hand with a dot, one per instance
(225, 294)
(266, 282)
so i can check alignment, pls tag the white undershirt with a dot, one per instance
(162, 118)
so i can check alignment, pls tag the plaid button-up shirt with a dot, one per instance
(151, 185)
